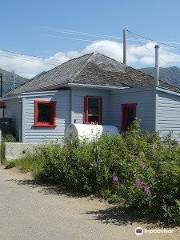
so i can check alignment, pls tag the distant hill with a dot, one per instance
(169, 74)
(8, 81)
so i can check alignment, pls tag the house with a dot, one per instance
(91, 88)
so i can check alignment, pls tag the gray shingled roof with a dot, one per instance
(93, 68)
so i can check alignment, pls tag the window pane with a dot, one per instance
(93, 119)
(130, 116)
(93, 106)
(44, 113)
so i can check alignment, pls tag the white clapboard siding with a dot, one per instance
(157, 111)
(168, 114)
(13, 111)
(112, 101)
(78, 104)
(35, 134)
(145, 100)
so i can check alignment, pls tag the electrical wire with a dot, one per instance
(27, 58)
(31, 58)
(74, 32)
(22, 57)
(70, 38)
(153, 40)
(170, 69)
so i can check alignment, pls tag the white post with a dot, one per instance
(14, 79)
(124, 46)
(157, 64)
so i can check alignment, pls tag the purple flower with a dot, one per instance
(115, 179)
(138, 183)
(147, 191)
(94, 164)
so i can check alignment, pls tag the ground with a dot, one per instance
(32, 212)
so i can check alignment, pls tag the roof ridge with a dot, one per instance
(45, 72)
(72, 59)
(87, 61)
(96, 53)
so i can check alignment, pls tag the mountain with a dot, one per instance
(169, 74)
(9, 81)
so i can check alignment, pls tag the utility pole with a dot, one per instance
(157, 64)
(1, 82)
(14, 79)
(124, 45)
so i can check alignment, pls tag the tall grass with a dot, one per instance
(30, 162)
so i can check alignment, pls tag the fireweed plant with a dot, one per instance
(138, 170)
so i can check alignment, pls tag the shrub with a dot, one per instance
(9, 138)
(137, 169)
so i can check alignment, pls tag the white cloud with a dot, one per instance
(143, 55)
(106, 47)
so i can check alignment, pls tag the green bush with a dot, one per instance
(9, 138)
(138, 170)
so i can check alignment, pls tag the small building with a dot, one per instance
(91, 89)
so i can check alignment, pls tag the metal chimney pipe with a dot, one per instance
(124, 45)
(157, 64)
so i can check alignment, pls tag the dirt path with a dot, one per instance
(29, 212)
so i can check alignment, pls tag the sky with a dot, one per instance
(38, 35)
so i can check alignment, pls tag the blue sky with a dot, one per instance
(35, 28)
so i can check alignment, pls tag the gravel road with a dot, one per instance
(31, 212)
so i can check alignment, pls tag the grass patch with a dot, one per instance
(9, 165)
(30, 163)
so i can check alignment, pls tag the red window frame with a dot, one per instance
(85, 115)
(2, 104)
(52, 104)
(125, 107)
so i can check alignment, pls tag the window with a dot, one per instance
(2, 104)
(92, 110)
(128, 115)
(44, 114)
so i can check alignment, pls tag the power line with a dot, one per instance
(153, 40)
(28, 58)
(18, 53)
(171, 70)
(74, 32)
(7, 53)
(93, 35)
(152, 53)
(70, 38)
(173, 42)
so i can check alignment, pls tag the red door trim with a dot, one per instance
(124, 110)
